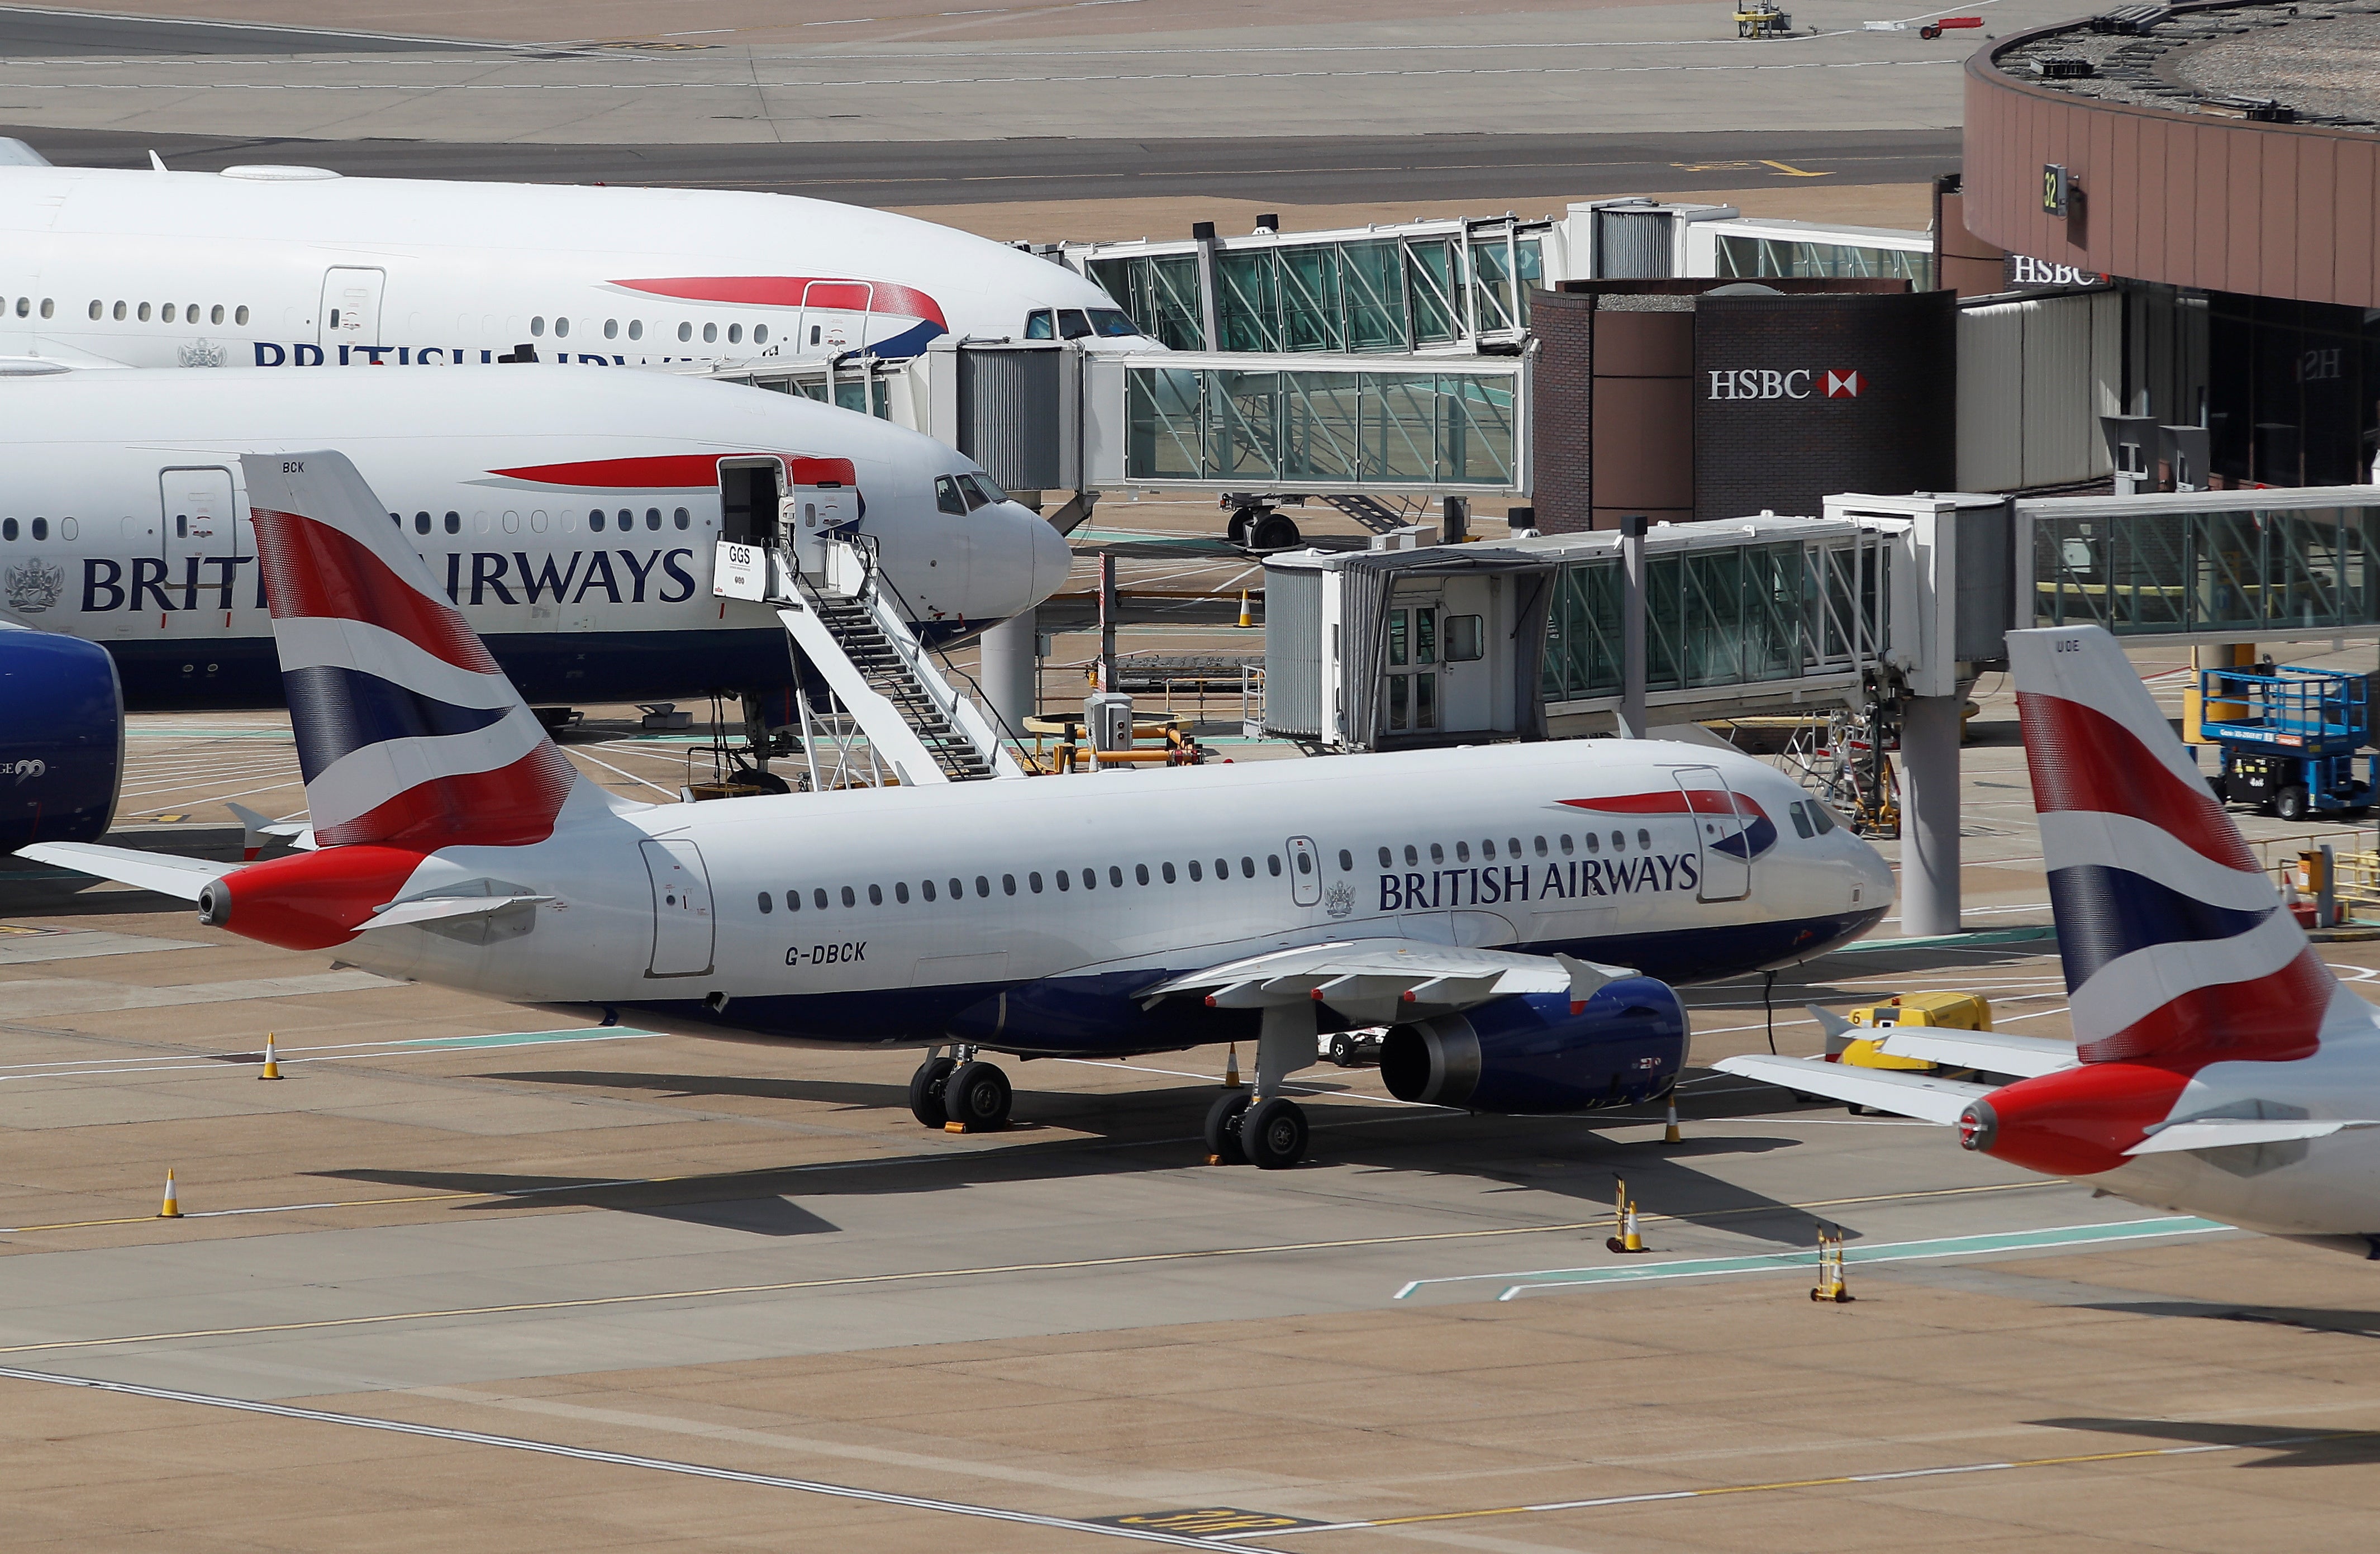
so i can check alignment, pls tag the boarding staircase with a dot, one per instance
(849, 623)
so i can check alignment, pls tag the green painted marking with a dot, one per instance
(527, 1037)
(1881, 1251)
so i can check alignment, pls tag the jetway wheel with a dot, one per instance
(976, 1098)
(1273, 532)
(1243, 519)
(1273, 1133)
(926, 1091)
(1223, 1127)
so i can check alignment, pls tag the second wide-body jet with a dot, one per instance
(571, 518)
(1515, 936)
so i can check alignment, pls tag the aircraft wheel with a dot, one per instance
(1272, 533)
(1273, 1133)
(1342, 1050)
(1223, 1127)
(925, 1091)
(2289, 804)
(976, 1098)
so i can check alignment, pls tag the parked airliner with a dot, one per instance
(1515, 937)
(2218, 1068)
(572, 517)
(274, 266)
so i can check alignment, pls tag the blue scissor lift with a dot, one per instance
(2289, 738)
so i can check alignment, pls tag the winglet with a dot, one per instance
(1589, 977)
(1839, 1030)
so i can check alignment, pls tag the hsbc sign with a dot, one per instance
(1800, 382)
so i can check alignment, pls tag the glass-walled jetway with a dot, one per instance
(1307, 424)
(2204, 566)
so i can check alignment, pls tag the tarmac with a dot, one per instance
(464, 1281)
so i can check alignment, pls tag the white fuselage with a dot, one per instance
(1024, 914)
(573, 518)
(153, 269)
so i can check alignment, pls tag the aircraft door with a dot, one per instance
(350, 314)
(681, 917)
(1305, 871)
(1721, 832)
(835, 316)
(810, 515)
(203, 537)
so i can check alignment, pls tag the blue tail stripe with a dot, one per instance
(337, 711)
(2105, 913)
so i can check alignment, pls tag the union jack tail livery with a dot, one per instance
(408, 732)
(2176, 950)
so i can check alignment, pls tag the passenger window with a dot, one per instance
(1272, 864)
(681, 518)
(453, 523)
(958, 887)
(1801, 826)
(120, 315)
(768, 904)
(1512, 845)
(1140, 872)
(875, 895)
(814, 334)
(1644, 841)
(1487, 847)
(1412, 857)
(1248, 866)
(595, 520)
(792, 900)
(1167, 870)
(40, 529)
(947, 498)
(1195, 876)
(1222, 868)
(819, 896)
(610, 328)
(25, 306)
(561, 328)
(760, 334)
(710, 333)
(734, 333)
(1463, 851)
(1346, 861)
(849, 899)
(1388, 860)
(636, 329)
(653, 517)
(1065, 881)
(1437, 852)
(144, 315)
(1594, 843)
(1034, 880)
(420, 523)
(239, 318)
(1037, 325)
(927, 887)
(1305, 864)
(900, 892)
(7, 528)
(1115, 877)
(165, 315)
(536, 325)
(686, 332)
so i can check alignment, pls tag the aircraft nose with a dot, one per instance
(1873, 873)
(1052, 557)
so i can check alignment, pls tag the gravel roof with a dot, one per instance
(2301, 63)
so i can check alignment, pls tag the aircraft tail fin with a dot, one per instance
(2176, 948)
(407, 732)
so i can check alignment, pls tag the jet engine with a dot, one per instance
(61, 738)
(1537, 1054)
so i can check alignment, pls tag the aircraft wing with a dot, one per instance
(2024, 1056)
(1901, 1093)
(1380, 981)
(2229, 1133)
(441, 908)
(161, 872)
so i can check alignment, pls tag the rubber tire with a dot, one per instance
(1273, 532)
(1273, 1133)
(925, 1091)
(1343, 1052)
(1236, 531)
(977, 1098)
(1223, 1127)
(2221, 795)
(2290, 804)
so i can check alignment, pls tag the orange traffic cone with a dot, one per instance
(173, 1209)
(1669, 1134)
(1231, 1068)
(271, 1061)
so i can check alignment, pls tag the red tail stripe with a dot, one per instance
(311, 569)
(674, 471)
(2084, 760)
(509, 807)
(2276, 1018)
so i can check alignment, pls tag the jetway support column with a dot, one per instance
(1008, 673)
(1631, 627)
(1929, 816)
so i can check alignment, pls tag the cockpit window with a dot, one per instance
(975, 496)
(1036, 327)
(1112, 323)
(1077, 323)
(992, 490)
(1801, 823)
(1821, 817)
(947, 497)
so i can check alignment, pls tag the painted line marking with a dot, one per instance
(615, 1459)
(853, 1280)
(1878, 1252)
(412, 1047)
(2077, 1459)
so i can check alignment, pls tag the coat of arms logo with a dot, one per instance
(202, 353)
(35, 586)
(1340, 898)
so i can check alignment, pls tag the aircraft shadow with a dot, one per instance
(1156, 1130)
(739, 1201)
(2347, 1324)
(2292, 1447)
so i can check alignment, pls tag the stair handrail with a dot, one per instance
(940, 693)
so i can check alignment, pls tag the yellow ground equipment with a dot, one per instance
(1942, 1011)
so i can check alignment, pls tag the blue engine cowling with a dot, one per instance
(61, 738)
(1528, 1055)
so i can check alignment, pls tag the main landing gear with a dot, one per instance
(973, 1095)
(1268, 1135)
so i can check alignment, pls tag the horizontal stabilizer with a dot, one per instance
(2230, 1133)
(2024, 1056)
(161, 872)
(1906, 1095)
(443, 908)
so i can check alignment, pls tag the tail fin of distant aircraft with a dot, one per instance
(407, 732)
(2176, 951)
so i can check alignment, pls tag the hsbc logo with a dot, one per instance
(1763, 383)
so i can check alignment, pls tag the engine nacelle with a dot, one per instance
(61, 738)
(1528, 1055)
